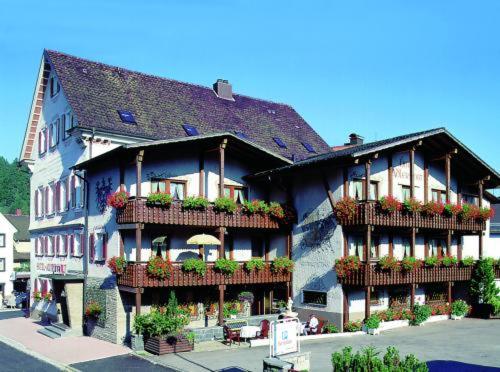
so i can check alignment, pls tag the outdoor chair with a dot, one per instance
(264, 329)
(321, 323)
(231, 335)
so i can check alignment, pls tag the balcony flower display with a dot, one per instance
(118, 199)
(345, 266)
(227, 205)
(452, 209)
(469, 212)
(93, 310)
(197, 203)
(226, 266)
(449, 261)
(195, 265)
(345, 208)
(485, 214)
(37, 296)
(255, 264)
(282, 265)
(255, 206)
(432, 261)
(389, 204)
(276, 211)
(117, 265)
(432, 208)
(412, 205)
(389, 263)
(159, 267)
(159, 198)
(411, 263)
(467, 261)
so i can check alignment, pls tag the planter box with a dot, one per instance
(373, 331)
(384, 326)
(167, 345)
(136, 342)
(436, 318)
(456, 317)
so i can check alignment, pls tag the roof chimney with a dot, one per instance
(19, 212)
(355, 139)
(223, 89)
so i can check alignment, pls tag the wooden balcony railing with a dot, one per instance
(367, 213)
(372, 275)
(137, 211)
(136, 275)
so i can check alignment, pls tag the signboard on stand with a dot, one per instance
(284, 337)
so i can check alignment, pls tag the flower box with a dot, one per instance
(167, 345)
(373, 331)
(384, 326)
(456, 317)
(436, 318)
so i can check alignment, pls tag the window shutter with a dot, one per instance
(36, 246)
(91, 248)
(36, 285)
(36, 203)
(82, 244)
(105, 246)
(68, 192)
(46, 139)
(73, 191)
(72, 244)
(58, 124)
(40, 143)
(46, 245)
(58, 245)
(58, 196)
(47, 200)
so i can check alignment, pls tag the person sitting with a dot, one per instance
(312, 325)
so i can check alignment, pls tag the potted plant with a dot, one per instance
(432, 208)
(330, 328)
(195, 265)
(459, 309)
(420, 314)
(162, 199)
(282, 265)
(276, 211)
(389, 263)
(484, 290)
(448, 261)
(118, 199)
(47, 297)
(372, 325)
(467, 261)
(117, 265)
(159, 267)
(92, 312)
(345, 266)
(226, 266)
(353, 326)
(469, 212)
(410, 263)
(255, 264)
(345, 209)
(485, 214)
(389, 204)
(432, 261)
(198, 203)
(412, 205)
(255, 206)
(224, 204)
(37, 296)
(451, 210)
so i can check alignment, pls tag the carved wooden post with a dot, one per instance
(367, 302)
(222, 148)
(413, 241)
(480, 203)
(138, 168)
(138, 301)
(448, 177)
(448, 243)
(368, 242)
(222, 232)
(221, 304)
(390, 174)
(346, 306)
(345, 182)
(412, 295)
(412, 173)
(201, 190)
(459, 247)
(366, 185)
(450, 299)
(426, 180)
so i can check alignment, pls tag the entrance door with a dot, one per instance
(64, 308)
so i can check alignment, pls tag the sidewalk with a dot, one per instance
(65, 350)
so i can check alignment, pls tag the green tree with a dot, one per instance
(482, 286)
(14, 187)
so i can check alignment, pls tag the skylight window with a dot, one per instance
(127, 117)
(190, 130)
(240, 134)
(279, 142)
(309, 148)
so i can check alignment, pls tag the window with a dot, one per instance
(314, 298)
(374, 248)
(373, 190)
(470, 199)
(406, 247)
(309, 147)
(97, 245)
(39, 246)
(126, 117)
(42, 141)
(77, 192)
(73, 121)
(54, 133)
(190, 130)
(237, 193)
(61, 195)
(54, 86)
(405, 192)
(2, 264)
(438, 196)
(2, 240)
(357, 189)
(77, 244)
(65, 124)
(437, 248)
(257, 247)
(376, 297)
(279, 142)
(50, 246)
(62, 245)
(176, 188)
(356, 247)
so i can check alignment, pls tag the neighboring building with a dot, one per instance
(7, 231)
(430, 165)
(22, 250)
(494, 231)
(82, 109)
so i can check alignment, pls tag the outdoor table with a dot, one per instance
(249, 331)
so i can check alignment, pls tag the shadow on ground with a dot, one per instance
(449, 365)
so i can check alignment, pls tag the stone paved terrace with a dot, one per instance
(471, 341)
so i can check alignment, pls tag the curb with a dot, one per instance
(20, 347)
(154, 361)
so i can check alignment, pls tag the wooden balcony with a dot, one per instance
(371, 275)
(367, 213)
(136, 275)
(138, 211)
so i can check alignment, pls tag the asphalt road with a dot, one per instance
(9, 314)
(14, 360)
(122, 363)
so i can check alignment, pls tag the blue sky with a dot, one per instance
(378, 68)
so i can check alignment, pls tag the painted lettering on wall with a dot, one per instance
(51, 267)
(402, 171)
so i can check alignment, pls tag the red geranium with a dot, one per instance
(346, 265)
(452, 209)
(345, 208)
(433, 208)
(389, 204)
(117, 264)
(118, 199)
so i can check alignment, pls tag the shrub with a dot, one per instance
(449, 261)
(37, 296)
(47, 297)
(246, 296)
(485, 214)
(459, 308)
(389, 263)
(468, 261)
(443, 309)
(282, 265)
(432, 208)
(118, 199)
(420, 314)
(195, 264)
(452, 209)
(410, 263)
(255, 263)
(345, 208)
(469, 212)
(373, 322)
(368, 359)
(346, 265)
(389, 204)
(93, 310)
(482, 285)
(255, 206)
(330, 328)
(226, 266)
(276, 211)
(159, 267)
(432, 261)
(227, 205)
(195, 202)
(161, 198)
(412, 205)
(117, 264)
(353, 326)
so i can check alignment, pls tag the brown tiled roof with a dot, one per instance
(161, 106)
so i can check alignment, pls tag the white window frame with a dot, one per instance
(78, 250)
(99, 245)
(57, 87)
(51, 245)
(63, 245)
(43, 142)
(63, 197)
(52, 192)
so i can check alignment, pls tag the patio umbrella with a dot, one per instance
(203, 239)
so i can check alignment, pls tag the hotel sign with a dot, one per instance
(284, 337)
(51, 267)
